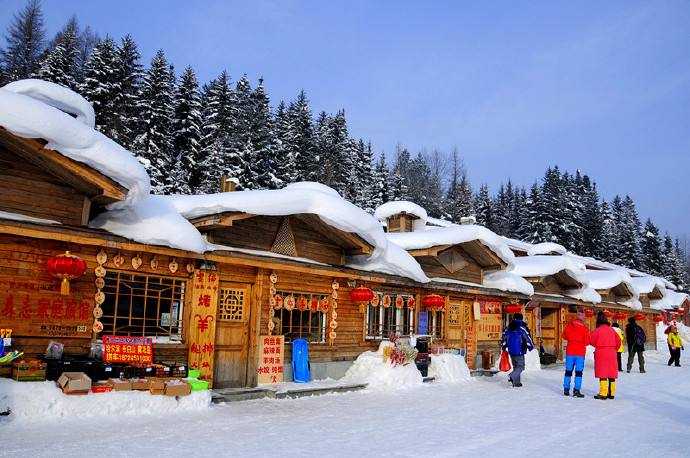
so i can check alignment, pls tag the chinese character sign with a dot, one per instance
(136, 351)
(202, 325)
(270, 367)
(490, 326)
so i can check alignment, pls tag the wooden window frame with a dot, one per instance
(320, 329)
(389, 319)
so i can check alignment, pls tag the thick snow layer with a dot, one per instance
(671, 299)
(33, 109)
(541, 266)
(154, 221)
(533, 249)
(508, 281)
(449, 368)
(389, 209)
(309, 198)
(452, 235)
(646, 284)
(25, 218)
(585, 294)
(42, 401)
(380, 375)
(438, 222)
(532, 362)
(597, 264)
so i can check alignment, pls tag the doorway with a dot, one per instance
(232, 335)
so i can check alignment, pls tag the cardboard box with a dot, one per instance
(177, 388)
(156, 386)
(74, 383)
(120, 384)
(6, 371)
(101, 387)
(29, 370)
(140, 384)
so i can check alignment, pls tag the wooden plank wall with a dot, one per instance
(472, 272)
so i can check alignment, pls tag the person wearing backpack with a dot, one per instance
(675, 345)
(577, 335)
(517, 341)
(636, 338)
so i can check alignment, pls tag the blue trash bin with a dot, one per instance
(301, 370)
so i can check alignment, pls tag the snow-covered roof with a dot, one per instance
(438, 222)
(671, 300)
(508, 281)
(452, 235)
(542, 266)
(534, 249)
(607, 279)
(395, 207)
(25, 218)
(647, 283)
(39, 109)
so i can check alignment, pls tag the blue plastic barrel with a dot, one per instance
(300, 361)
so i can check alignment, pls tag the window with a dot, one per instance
(309, 323)
(142, 305)
(436, 319)
(383, 321)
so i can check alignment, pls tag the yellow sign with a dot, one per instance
(202, 326)
(490, 326)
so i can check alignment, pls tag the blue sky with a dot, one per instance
(599, 86)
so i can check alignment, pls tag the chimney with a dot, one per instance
(227, 184)
(401, 222)
(468, 220)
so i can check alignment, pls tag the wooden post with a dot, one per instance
(255, 325)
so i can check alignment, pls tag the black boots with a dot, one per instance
(566, 392)
(577, 394)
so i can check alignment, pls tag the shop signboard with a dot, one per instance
(34, 308)
(490, 326)
(270, 367)
(135, 351)
(202, 329)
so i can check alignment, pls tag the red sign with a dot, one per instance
(270, 367)
(137, 351)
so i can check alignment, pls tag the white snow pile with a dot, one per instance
(647, 283)
(532, 362)
(25, 218)
(449, 368)
(39, 401)
(438, 222)
(385, 211)
(534, 249)
(39, 109)
(380, 375)
(607, 279)
(309, 198)
(508, 281)
(452, 235)
(671, 300)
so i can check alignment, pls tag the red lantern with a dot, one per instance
(589, 313)
(608, 313)
(361, 294)
(640, 317)
(620, 315)
(434, 302)
(658, 318)
(66, 267)
(513, 308)
(680, 309)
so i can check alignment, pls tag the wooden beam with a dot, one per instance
(86, 211)
(431, 251)
(351, 242)
(79, 175)
(483, 255)
(218, 220)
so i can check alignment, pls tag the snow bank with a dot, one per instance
(370, 368)
(508, 281)
(671, 299)
(532, 362)
(39, 401)
(541, 266)
(452, 235)
(438, 222)
(449, 368)
(38, 109)
(534, 249)
(25, 218)
(389, 209)
(309, 198)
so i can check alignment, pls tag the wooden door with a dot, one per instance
(232, 335)
(550, 323)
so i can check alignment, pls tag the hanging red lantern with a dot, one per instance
(386, 301)
(640, 317)
(66, 267)
(434, 302)
(513, 308)
(658, 318)
(399, 302)
(608, 313)
(302, 304)
(620, 315)
(589, 313)
(361, 294)
(410, 302)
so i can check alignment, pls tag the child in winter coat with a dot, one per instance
(577, 335)
(675, 345)
(517, 341)
(606, 343)
(621, 349)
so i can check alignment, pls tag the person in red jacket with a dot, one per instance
(577, 335)
(605, 342)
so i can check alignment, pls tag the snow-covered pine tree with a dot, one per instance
(216, 101)
(651, 249)
(101, 85)
(302, 156)
(285, 166)
(420, 181)
(571, 209)
(127, 105)
(399, 185)
(518, 210)
(186, 135)
(86, 41)
(381, 192)
(398, 188)
(335, 151)
(535, 226)
(483, 206)
(60, 63)
(605, 248)
(153, 146)
(628, 224)
(238, 153)
(680, 270)
(669, 257)
(363, 180)
(501, 207)
(591, 218)
(459, 200)
(25, 43)
(550, 201)
(263, 141)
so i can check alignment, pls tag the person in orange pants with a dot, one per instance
(605, 342)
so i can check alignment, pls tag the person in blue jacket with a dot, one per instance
(517, 341)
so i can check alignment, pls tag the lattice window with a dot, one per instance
(232, 305)
(308, 324)
(142, 305)
(436, 318)
(284, 242)
(384, 321)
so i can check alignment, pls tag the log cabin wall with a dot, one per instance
(28, 190)
(433, 266)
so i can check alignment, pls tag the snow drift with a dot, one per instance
(380, 375)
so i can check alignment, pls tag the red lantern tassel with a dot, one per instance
(64, 287)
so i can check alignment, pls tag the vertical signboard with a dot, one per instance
(202, 326)
(270, 367)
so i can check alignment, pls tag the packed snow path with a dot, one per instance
(650, 417)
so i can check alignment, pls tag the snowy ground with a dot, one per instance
(650, 417)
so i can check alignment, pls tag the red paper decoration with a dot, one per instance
(66, 267)
(434, 302)
(640, 317)
(608, 313)
(386, 301)
(361, 294)
(302, 304)
(399, 302)
(658, 318)
(589, 313)
(513, 308)
(620, 315)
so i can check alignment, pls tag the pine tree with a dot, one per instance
(153, 146)
(591, 219)
(186, 135)
(399, 184)
(483, 206)
(302, 156)
(381, 192)
(263, 141)
(518, 211)
(537, 228)
(458, 202)
(217, 99)
(680, 269)
(550, 205)
(127, 104)
(25, 43)
(628, 225)
(605, 248)
(335, 151)
(101, 85)
(501, 207)
(286, 169)
(363, 176)
(60, 64)
(651, 250)
(238, 152)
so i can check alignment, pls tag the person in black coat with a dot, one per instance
(636, 338)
